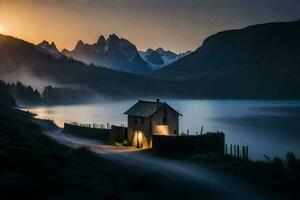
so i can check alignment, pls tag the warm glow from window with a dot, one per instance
(140, 137)
(139, 140)
(162, 130)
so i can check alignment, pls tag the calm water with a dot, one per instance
(269, 128)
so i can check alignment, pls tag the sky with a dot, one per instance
(177, 25)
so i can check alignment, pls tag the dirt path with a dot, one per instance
(186, 179)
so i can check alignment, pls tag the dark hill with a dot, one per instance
(260, 61)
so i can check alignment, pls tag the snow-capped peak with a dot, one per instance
(159, 58)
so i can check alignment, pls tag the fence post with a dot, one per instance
(243, 152)
(247, 152)
(201, 130)
(225, 149)
(234, 148)
(231, 149)
(238, 151)
(187, 131)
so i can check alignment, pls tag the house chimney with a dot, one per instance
(157, 103)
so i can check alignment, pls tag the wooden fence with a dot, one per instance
(236, 151)
(196, 133)
(97, 126)
(84, 130)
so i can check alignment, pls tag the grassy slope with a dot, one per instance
(280, 178)
(34, 166)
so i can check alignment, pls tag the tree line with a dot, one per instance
(26, 95)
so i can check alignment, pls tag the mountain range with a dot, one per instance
(256, 62)
(19, 57)
(49, 49)
(159, 58)
(114, 53)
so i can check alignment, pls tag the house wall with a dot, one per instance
(172, 120)
(148, 127)
(139, 126)
(117, 134)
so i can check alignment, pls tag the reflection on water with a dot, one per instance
(267, 127)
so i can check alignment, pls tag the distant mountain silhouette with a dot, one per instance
(260, 61)
(256, 62)
(20, 56)
(160, 57)
(114, 53)
(49, 49)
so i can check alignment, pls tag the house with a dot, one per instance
(147, 118)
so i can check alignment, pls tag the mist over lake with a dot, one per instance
(268, 127)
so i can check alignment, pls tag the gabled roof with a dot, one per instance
(146, 108)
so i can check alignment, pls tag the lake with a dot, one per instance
(269, 128)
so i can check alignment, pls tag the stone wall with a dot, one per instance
(209, 142)
(118, 134)
(86, 132)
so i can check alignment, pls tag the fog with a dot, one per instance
(173, 175)
(268, 127)
(27, 78)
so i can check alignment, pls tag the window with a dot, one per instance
(135, 120)
(165, 120)
(165, 111)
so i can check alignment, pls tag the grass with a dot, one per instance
(33, 166)
(280, 177)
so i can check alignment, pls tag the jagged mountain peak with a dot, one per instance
(160, 57)
(149, 50)
(101, 41)
(113, 52)
(53, 46)
(46, 44)
(65, 51)
(160, 49)
(113, 36)
(80, 45)
(49, 49)
(101, 38)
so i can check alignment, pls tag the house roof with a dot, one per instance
(146, 108)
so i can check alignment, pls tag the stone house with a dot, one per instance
(147, 118)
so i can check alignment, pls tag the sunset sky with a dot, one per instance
(178, 25)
